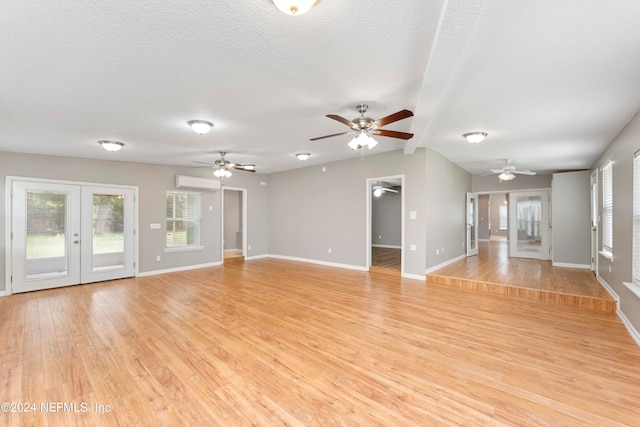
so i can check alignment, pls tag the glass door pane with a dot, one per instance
(472, 224)
(108, 232)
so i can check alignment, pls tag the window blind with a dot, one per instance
(636, 218)
(607, 207)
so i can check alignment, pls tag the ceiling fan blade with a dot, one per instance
(393, 134)
(203, 163)
(394, 118)
(523, 172)
(329, 136)
(390, 190)
(342, 120)
(496, 171)
(490, 173)
(241, 168)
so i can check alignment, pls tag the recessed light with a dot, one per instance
(475, 137)
(200, 126)
(111, 145)
(303, 156)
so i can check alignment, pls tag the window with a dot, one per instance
(183, 219)
(636, 218)
(503, 216)
(607, 208)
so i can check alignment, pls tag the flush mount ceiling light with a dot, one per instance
(111, 145)
(362, 139)
(475, 137)
(200, 126)
(294, 7)
(303, 156)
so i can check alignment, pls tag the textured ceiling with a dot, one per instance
(551, 82)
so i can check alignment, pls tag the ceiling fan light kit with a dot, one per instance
(362, 139)
(200, 126)
(506, 176)
(111, 145)
(475, 137)
(303, 156)
(294, 7)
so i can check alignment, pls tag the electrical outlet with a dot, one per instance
(379, 237)
(249, 247)
(158, 258)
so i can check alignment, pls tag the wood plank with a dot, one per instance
(274, 342)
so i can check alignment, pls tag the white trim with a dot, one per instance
(635, 335)
(570, 265)
(3, 294)
(231, 250)
(256, 257)
(173, 270)
(320, 262)
(444, 264)
(633, 287)
(183, 248)
(484, 240)
(499, 238)
(386, 246)
(414, 276)
(606, 254)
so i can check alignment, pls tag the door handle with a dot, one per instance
(76, 241)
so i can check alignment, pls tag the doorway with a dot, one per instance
(594, 220)
(66, 234)
(385, 223)
(529, 224)
(234, 219)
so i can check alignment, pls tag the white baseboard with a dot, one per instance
(498, 238)
(569, 265)
(229, 250)
(316, 261)
(414, 276)
(387, 246)
(173, 270)
(3, 294)
(444, 264)
(249, 258)
(635, 335)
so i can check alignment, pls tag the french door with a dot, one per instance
(529, 224)
(65, 234)
(472, 224)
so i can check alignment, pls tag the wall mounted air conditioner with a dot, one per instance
(185, 181)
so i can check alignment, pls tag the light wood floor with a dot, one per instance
(233, 255)
(493, 271)
(386, 258)
(273, 342)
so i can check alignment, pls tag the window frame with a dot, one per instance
(607, 211)
(195, 219)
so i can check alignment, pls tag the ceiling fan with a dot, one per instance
(379, 190)
(222, 167)
(365, 127)
(508, 172)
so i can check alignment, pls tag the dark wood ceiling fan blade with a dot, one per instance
(342, 120)
(329, 136)
(393, 134)
(241, 168)
(394, 117)
(203, 163)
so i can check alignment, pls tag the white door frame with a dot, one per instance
(369, 201)
(9, 223)
(545, 231)
(471, 228)
(243, 191)
(593, 189)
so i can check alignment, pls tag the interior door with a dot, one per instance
(529, 224)
(472, 224)
(107, 233)
(45, 236)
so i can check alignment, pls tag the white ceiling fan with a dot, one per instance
(508, 172)
(379, 190)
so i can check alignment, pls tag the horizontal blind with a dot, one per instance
(636, 218)
(607, 207)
